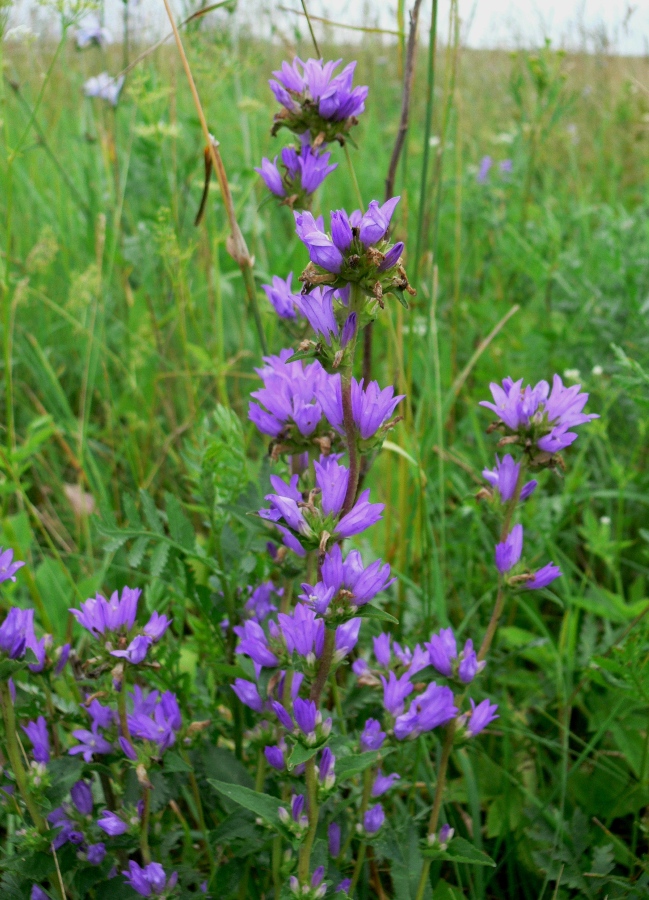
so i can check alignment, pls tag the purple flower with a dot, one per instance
(469, 665)
(302, 631)
(82, 797)
(95, 854)
(272, 177)
(37, 893)
(505, 478)
(289, 395)
(155, 718)
(305, 713)
(112, 824)
(536, 411)
(297, 805)
(392, 257)
(346, 638)
(326, 767)
(333, 834)
(372, 407)
(17, 632)
(349, 330)
(37, 734)
(506, 166)
(332, 479)
(90, 742)
(104, 87)
(376, 221)
(322, 250)
(359, 584)
(156, 626)
(372, 737)
(481, 716)
(427, 711)
(68, 831)
(442, 650)
(509, 551)
(344, 886)
(282, 297)
(150, 880)
(543, 577)
(317, 308)
(313, 167)
(136, 651)
(127, 748)
(275, 758)
(99, 615)
(383, 783)
(420, 659)
(8, 567)
(483, 172)
(395, 691)
(255, 645)
(63, 654)
(373, 819)
(341, 230)
(314, 80)
(102, 716)
(282, 715)
(361, 516)
(247, 692)
(382, 649)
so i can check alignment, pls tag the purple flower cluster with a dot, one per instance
(371, 407)
(302, 523)
(346, 585)
(155, 717)
(540, 417)
(150, 880)
(17, 636)
(316, 100)
(303, 173)
(508, 554)
(114, 619)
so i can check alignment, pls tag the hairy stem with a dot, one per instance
(304, 863)
(437, 802)
(13, 752)
(352, 449)
(144, 827)
(325, 665)
(365, 801)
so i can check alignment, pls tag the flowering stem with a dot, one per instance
(121, 708)
(437, 802)
(13, 752)
(144, 828)
(500, 597)
(312, 813)
(350, 433)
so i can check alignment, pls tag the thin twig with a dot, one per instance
(235, 244)
(363, 28)
(315, 43)
(408, 78)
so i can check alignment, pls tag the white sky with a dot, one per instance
(620, 25)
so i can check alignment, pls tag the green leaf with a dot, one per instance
(262, 805)
(302, 354)
(460, 851)
(137, 551)
(179, 525)
(131, 511)
(173, 762)
(9, 667)
(151, 513)
(348, 766)
(301, 754)
(369, 611)
(228, 670)
(159, 558)
(400, 297)
(114, 542)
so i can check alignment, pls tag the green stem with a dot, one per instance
(437, 802)
(276, 862)
(121, 707)
(304, 863)
(368, 775)
(325, 665)
(144, 827)
(430, 96)
(13, 752)
(357, 190)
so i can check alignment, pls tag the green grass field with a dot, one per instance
(125, 326)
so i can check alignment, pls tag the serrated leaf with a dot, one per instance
(180, 527)
(151, 513)
(369, 611)
(115, 542)
(301, 754)
(137, 551)
(262, 805)
(159, 558)
(131, 511)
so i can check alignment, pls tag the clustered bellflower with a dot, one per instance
(317, 101)
(299, 175)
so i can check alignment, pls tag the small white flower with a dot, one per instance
(572, 374)
(434, 141)
(605, 520)
(92, 32)
(597, 371)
